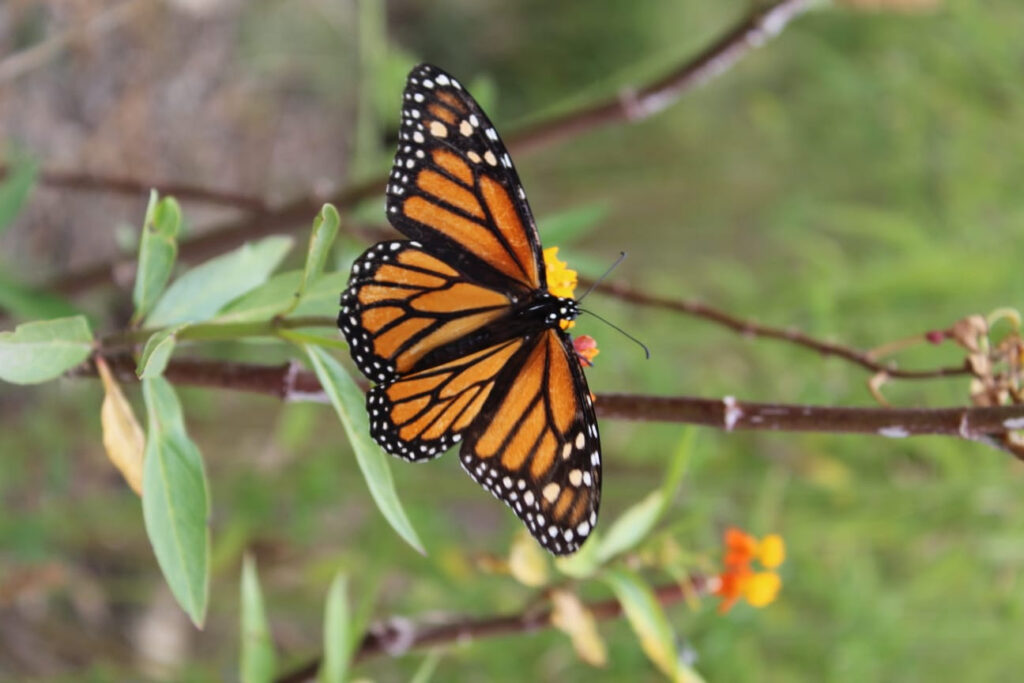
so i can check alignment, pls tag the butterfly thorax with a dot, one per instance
(547, 310)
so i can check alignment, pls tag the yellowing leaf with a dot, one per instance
(527, 562)
(573, 618)
(649, 623)
(123, 437)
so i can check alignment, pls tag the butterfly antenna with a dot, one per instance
(647, 351)
(622, 257)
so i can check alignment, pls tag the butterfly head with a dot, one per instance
(554, 309)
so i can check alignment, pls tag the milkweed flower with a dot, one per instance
(739, 579)
(561, 279)
(586, 349)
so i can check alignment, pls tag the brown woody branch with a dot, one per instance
(290, 383)
(217, 240)
(398, 635)
(636, 104)
(629, 105)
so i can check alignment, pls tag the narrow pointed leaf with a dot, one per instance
(337, 637)
(278, 293)
(426, 669)
(349, 403)
(175, 500)
(207, 288)
(157, 352)
(637, 521)
(325, 229)
(39, 351)
(647, 619)
(15, 188)
(123, 438)
(158, 249)
(258, 659)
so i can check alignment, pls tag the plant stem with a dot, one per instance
(219, 331)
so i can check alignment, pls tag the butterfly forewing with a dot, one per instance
(402, 303)
(536, 445)
(453, 184)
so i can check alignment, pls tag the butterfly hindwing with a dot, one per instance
(421, 415)
(453, 185)
(535, 444)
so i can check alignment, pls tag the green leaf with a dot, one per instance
(157, 352)
(427, 668)
(24, 302)
(176, 501)
(277, 293)
(14, 190)
(39, 351)
(325, 228)
(158, 249)
(337, 637)
(258, 661)
(637, 521)
(631, 527)
(570, 225)
(204, 290)
(349, 403)
(648, 621)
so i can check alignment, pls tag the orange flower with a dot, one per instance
(739, 580)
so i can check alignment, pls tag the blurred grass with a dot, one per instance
(858, 179)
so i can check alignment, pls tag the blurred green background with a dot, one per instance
(858, 179)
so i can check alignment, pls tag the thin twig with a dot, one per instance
(289, 383)
(636, 104)
(75, 180)
(396, 636)
(753, 329)
(644, 101)
(217, 240)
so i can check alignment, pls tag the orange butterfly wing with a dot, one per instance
(536, 445)
(453, 187)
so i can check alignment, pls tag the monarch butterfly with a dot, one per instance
(458, 329)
